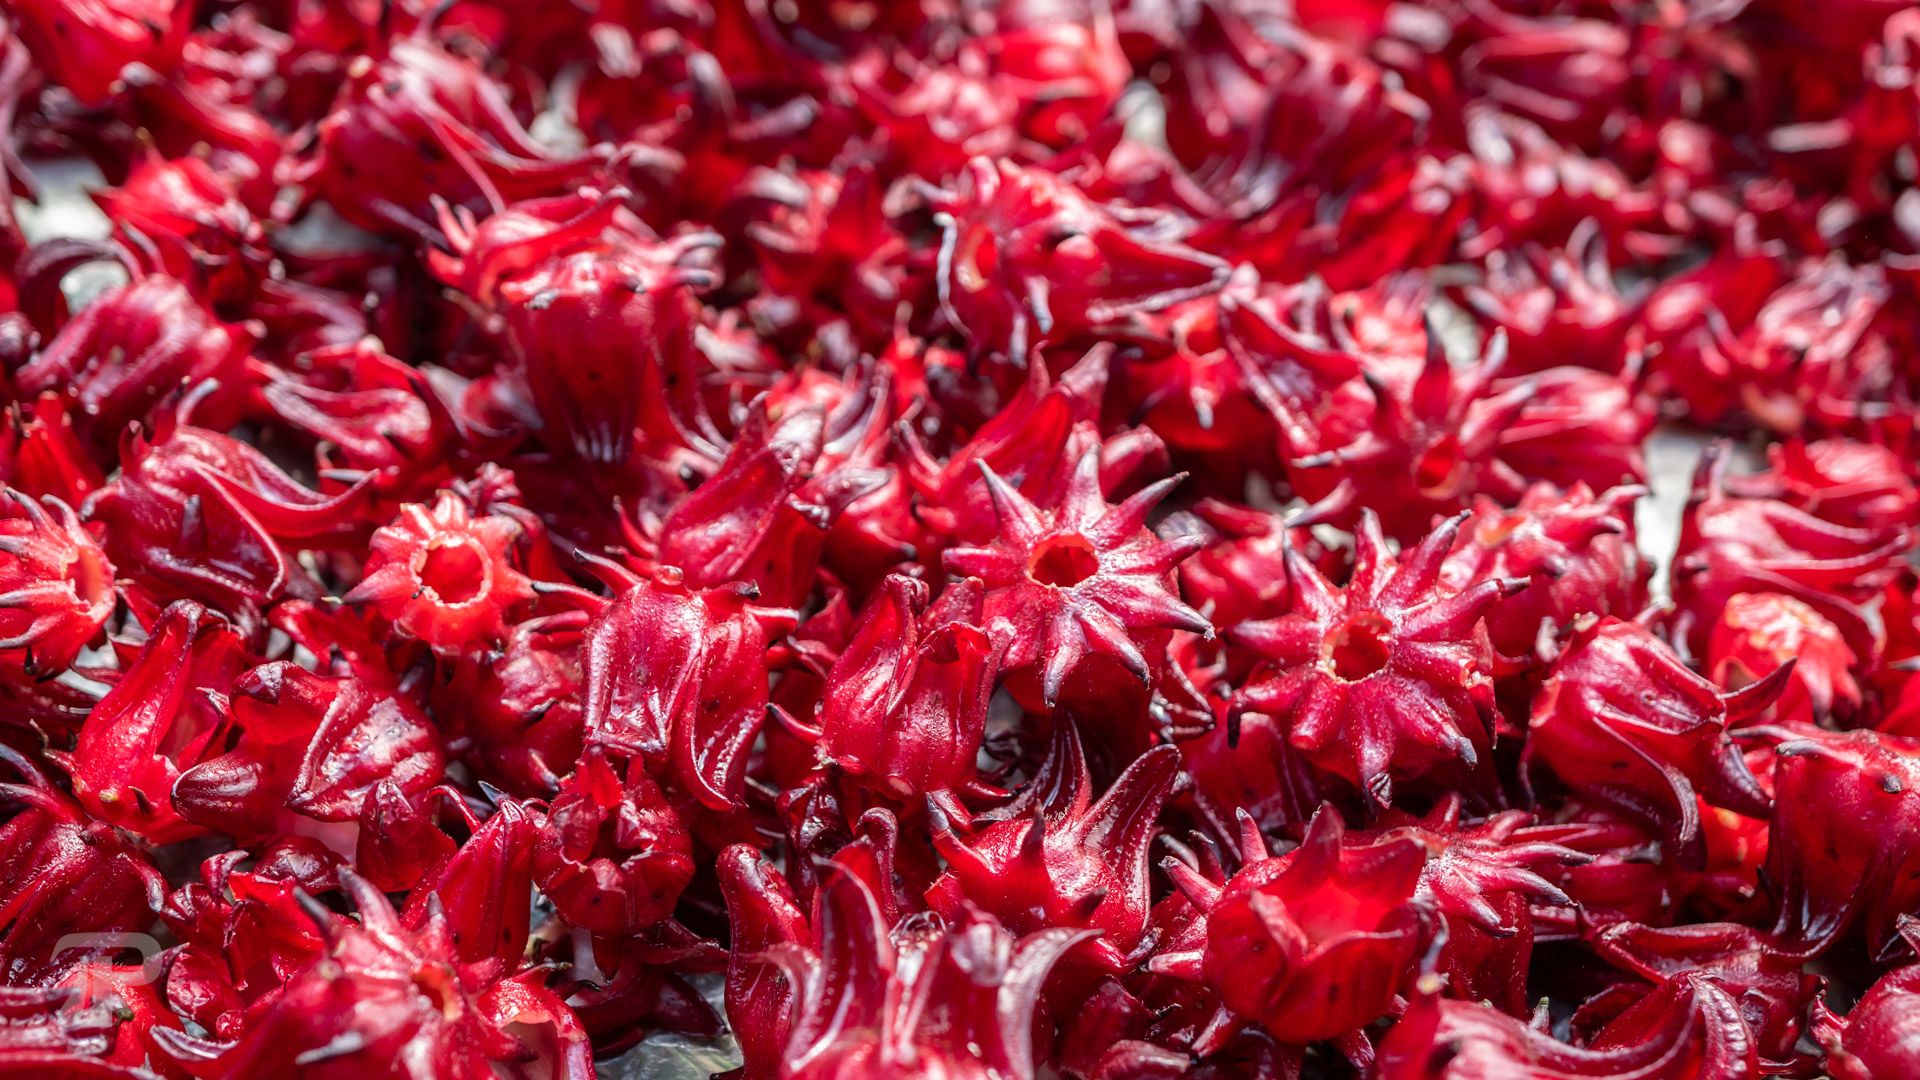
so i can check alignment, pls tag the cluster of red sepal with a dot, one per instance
(978, 539)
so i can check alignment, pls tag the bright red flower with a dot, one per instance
(1576, 552)
(679, 675)
(192, 214)
(56, 585)
(1731, 543)
(160, 720)
(1390, 677)
(87, 46)
(614, 855)
(1842, 803)
(445, 575)
(1759, 633)
(904, 707)
(1062, 858)
(203, 516)
(1621, 720)
(1027, 258)
(63, 873)
(311, 745)
(1080, 581)
(1312, 944)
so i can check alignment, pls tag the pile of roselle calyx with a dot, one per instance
(973, 539)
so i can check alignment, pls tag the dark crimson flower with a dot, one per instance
(1427, 445)
(1407, 213)
(1530, 188)
(918, 998)
(1023, 442)
(445, 575)
(1080, 581)
(833, 255)
(1065, 63)
(762, 915)
(1258, 772)
(41, 454)
(679, 675)
(137, 353)
(1759, 633)
(1576, 552)
(383, 993)
(368, 413)
(1874, 1039)
(1768, 984)
(861, 481)
(1688, 1029)
(601, 317)
(1579, 427)
(1621, 720)
(1080, 425)
(1241, 575)
(64, 873)
(1312, 944)
(1026, 258)
(243, 935)
(1807, 353)
(518, 714)
(484, 254)
(614, 855)
(417, 102)
(98, 1015)
(483, 892)
(56, 585)
(1567, 74)
(937, 117)
(1390, 676)
(400, 842)
(904, 707)
(1623, 880)
(1842, 803)
(1059, 857)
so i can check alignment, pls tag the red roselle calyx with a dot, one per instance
(1081, 581)
(445, 575)
(56, 585)
(1620, 719)
(1388, 676)
(1311, 944)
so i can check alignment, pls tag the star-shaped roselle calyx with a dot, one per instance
(1073, 860)
(1080, 579)
(1390, 676)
